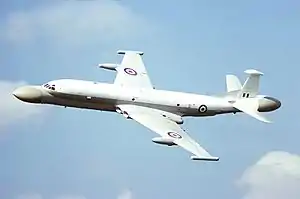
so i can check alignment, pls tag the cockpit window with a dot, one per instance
(52, 87)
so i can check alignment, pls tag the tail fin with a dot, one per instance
(241, 97)
(249, 89)
(251, 85)
(233, 83)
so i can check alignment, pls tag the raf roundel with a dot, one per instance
(174, 135)
(202, 108)
(130, 71)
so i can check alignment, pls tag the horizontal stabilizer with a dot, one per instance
(205, 158)
(250, 107)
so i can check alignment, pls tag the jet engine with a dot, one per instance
(164, 141)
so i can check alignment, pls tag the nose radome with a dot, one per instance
(29, 94)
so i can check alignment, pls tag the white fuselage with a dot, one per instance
(106, 97)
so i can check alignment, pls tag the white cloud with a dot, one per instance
(276, 175)
(74, 22)
(125, 194)
(12, 109)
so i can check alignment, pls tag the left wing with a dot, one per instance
(132, 72)
(168, 129)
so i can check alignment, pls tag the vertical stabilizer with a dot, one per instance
(250, 88)
(251, 85)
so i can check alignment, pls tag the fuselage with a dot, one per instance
(105, 97)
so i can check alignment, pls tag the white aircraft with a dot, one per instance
(133, 96)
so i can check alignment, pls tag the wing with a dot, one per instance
(132, 72)
(167, 129)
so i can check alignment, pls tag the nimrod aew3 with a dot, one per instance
(133, 96)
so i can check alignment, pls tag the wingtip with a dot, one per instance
(205, 158)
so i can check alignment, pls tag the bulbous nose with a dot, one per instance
(30, 94)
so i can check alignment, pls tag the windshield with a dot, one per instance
(52, 87)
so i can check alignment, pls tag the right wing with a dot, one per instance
(169, 130)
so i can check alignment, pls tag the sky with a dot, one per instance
(50, 152)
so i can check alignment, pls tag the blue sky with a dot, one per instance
(50, 152)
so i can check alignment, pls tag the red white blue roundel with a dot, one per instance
(130, 71)
(174, 135)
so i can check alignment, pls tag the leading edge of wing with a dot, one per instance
(166, 128)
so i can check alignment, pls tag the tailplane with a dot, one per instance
(250, 107)
(233, 83)
(243, 96)
(250, 87)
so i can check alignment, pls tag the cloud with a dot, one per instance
(276, 175)
(12, 109)
(125, 194)
(74, 22)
